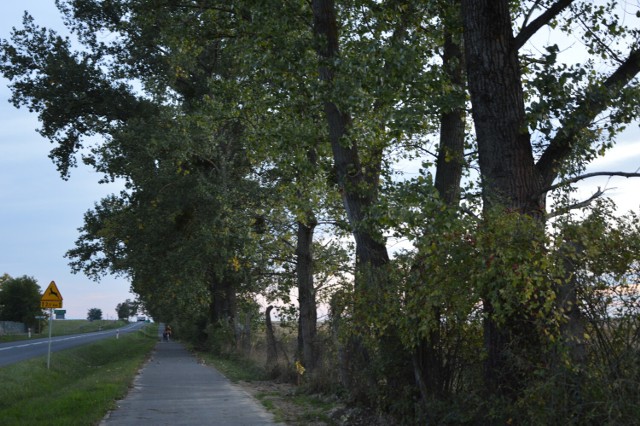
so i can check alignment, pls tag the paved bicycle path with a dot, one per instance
(174, 389)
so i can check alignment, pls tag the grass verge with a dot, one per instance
(81, 386)
(66, 327)
(296, 407)
(234, 368)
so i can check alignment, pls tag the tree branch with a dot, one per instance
(595, 100)
(602, 43)
(528, 15)
(578, 205)
(529, 30)
(586, 176)
(471, 213)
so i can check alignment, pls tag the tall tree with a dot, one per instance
(517, 173)
(94, 314)
(429, 360)
(19, 299)
(126, 309)
(178, 167)
(358, 180)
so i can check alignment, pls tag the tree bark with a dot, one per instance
(358, 185)
(450, 160)
(572, 329)
(306, 294)
(505, 155)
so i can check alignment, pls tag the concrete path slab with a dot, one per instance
(174, 389)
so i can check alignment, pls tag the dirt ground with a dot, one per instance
(280, 397)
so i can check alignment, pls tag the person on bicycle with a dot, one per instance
(167, 333)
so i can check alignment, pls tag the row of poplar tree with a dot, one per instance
(264, 147)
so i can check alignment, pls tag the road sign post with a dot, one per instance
(51, 298)
(50, 328)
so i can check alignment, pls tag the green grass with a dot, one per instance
(310, 408)
(315, 408)
(267, 402)
(16, 337)
(65, 327)
(234, 368)
(81, 386)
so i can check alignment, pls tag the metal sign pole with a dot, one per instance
(50, 327)
(51, 299)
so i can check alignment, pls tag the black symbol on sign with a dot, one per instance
(53, 293)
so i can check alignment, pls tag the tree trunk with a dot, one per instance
(245, 335)
(358, 184)
(272, 350)
(306, 294)
(450, 160)
(223, 299)
(572, 329)
(428, 359)
(509, 178)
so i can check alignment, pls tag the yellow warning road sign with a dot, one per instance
(51, 298)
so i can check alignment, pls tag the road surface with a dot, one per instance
(12, 352)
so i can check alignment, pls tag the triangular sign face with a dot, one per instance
(52, 294)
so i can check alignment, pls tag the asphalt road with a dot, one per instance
(12, 352)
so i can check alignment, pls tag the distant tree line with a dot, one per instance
(20, 302)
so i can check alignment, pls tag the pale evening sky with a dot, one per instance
(39, 212)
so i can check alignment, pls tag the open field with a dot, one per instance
(66, 327)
